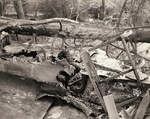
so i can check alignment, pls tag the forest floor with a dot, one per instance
(18, 94)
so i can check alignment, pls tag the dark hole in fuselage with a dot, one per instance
(26, 53)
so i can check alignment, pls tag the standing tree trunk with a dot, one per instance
(139, 17)
(103, 9)
(2, 7)
(19, 9)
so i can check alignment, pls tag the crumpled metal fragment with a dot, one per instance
(17, 98)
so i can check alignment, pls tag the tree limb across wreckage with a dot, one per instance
(66, 28)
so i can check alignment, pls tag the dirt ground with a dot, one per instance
(17, 100)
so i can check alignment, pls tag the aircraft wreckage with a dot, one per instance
(61, 76)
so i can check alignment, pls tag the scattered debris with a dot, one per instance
(110, 105)
(143, 106)
(99, 86)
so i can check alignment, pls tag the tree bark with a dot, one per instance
(103, 9)
(60, 27)
(138, 17)
(19, 9)
(2, 7)
(66, 28)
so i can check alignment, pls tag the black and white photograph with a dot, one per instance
(74, 59)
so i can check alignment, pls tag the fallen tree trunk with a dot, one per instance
(66, 28)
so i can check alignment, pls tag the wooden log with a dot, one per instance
(60, 27)
(67, 28)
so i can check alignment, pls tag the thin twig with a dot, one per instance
(82, 12)
(131, 52)
(114, 77)
(65, 42)
(75, 41)
(107, 48)
(119, 54)
(137, 27)
(56, 11)
(108, 41)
